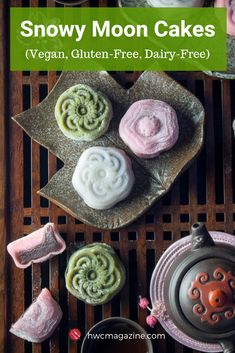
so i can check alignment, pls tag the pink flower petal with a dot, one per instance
(151, 321)
(143, 303)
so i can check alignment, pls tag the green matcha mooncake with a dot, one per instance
(95, 274)
(82, 113)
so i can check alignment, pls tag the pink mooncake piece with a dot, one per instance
(40, 320)
(230, 5)
(38, 246)
(149, 128)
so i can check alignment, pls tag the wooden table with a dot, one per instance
(205, 192)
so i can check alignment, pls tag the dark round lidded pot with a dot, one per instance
(199, 290)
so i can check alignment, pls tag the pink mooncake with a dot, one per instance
(38, 246)
(40, 320)
(149, 128)
(230, 5)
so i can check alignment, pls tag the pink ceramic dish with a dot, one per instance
(40, 320)
(149, 128)
(38, 246)
(230, 5)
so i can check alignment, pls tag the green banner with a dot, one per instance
(189, 39)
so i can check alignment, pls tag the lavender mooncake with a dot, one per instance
(176, 3)
(103, 177)
(40, 320)
(82, 113)
(149, 128)
(95, 274)
(38, 246)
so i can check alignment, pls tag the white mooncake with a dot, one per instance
(103, 177)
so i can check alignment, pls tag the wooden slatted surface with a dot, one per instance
(205, 193)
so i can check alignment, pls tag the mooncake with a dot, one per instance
(40, 320)
(176, 3)
(103, 177)
(95, 274)
(82, 113)
(38, 246)
(149, 128)
(230, 5)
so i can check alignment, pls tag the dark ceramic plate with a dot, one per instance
(153, 177)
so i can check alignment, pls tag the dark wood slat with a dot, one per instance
(210, 154)
(227, 155)
(124, 254)
(3, 178)
(36, 273)
(16, 276)
(54, 266)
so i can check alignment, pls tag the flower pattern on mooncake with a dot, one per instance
(95, 274)
(82, 113)
(103, 177)
(149, 127)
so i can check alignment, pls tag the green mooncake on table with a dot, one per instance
(95, 274)
(82, 113)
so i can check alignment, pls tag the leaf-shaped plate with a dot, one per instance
(153, 177)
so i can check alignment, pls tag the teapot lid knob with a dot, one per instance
(200, 236)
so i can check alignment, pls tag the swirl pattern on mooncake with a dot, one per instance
(103, 177)
(95, 274)
(83, 114)
(149, 127)
(176, 3)
(230, 5)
